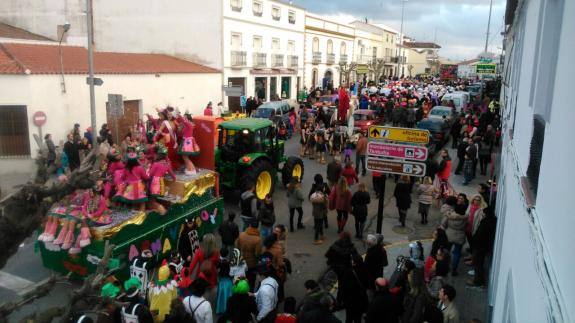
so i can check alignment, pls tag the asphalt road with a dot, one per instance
(25, 268)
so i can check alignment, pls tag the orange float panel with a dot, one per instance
(206, 133)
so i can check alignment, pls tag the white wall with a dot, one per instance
(42, 92)
(188, 29)
(323, 67)
(535, 245)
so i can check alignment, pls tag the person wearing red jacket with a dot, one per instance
(340, 200)
(349, 173)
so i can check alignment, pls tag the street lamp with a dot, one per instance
(65, 29)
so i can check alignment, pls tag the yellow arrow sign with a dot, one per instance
(399, 134)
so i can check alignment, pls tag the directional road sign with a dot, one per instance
(399, 167)
(382, 149)
(399, 134)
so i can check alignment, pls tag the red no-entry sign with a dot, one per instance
(39, 118)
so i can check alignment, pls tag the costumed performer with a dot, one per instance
(188, 146)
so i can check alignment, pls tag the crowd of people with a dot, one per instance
(241, 277)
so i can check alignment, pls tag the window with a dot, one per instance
(236, 40)
(536, 152)
(257, 43)
(343, 48)
(276, 13)
(236, 5)
(329, 46)
(315, 44)
(291, 46)
(257, 8)
(374, 52)
(291, 17)
(14, 140)
(275, 44)
(387, 38)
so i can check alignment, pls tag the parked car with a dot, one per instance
(274, 110)
(438, 130)
(460, 99)
(475, 89)
(362, 119)
(438, 112)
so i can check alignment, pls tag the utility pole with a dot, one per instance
(400, 57)
(488, 25)
(91, 72)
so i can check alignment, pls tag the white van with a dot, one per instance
(460, 99)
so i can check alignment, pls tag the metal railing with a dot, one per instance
(236, 7)
(330, 58)
(364, 59)
(291, 20)
(293, 61)
(276, 17)
(343, 59)
(260, 60)
(277, 60)
(316, 58)
(238, 58)
(258, 13)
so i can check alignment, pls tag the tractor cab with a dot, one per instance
(249, 151)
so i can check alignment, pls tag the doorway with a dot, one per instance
(328, 80)
(234, 101)
(274, 89)
(261, 87)
(121, 125)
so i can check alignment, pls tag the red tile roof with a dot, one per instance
(420, 45)
(9, 31)
(45, 59)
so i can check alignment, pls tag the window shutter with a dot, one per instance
(536, 152)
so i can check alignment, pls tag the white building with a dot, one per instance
(328, 45)
(532, 273)
(467, 69)
(263, 46)
(31, 81)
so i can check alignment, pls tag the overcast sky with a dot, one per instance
(459, 26)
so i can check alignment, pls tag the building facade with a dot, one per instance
(263, 46)
(532, 272)
(431, 51)
(328, 52)
(31, 80)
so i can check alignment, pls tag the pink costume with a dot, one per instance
(169, 130)
(155, 122)
(158, 170)
(135, 191)
(114, 173)
(96, 209)
(188, 146)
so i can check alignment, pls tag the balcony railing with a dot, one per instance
(260, 60)
(364, 59)
(316, 58)
(258, 13)
(343, 58)
(276, 17)
(238, 58)
(291, 20)
(394, 59)
(277, 60)
(292, 61)
(330, 59)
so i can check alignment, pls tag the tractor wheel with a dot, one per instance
(260, 172)
(293, 167)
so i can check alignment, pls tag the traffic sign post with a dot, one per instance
(39, 118)
(398, 167)
(418, 136)
(393, 150)
(396, 151)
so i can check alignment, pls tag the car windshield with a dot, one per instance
(264, 112)
(361, 117)
(439, 112)
(457, 102)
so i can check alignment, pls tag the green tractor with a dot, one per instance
(249, 152)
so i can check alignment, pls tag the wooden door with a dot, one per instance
(124, 124)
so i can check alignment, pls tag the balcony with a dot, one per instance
(238, 58)
(277, 60)
(276, 17)
(330, 59)
(292, 61)
(258, 13)
(394, 59)
(316, 58)
(343, 59)
(291, 20)
(236, 6)
(260, 60)
(364, 59)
